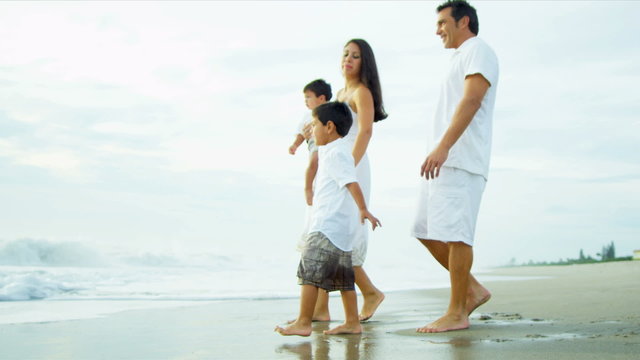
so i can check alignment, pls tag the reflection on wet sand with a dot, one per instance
(460, 347)
(324, 347)
(456, 342)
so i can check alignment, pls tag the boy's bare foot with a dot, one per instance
(474, 300)
(446, 323)
(321, 318)
(315, 319)
(345, 329)
(371, 303)
(294, 329)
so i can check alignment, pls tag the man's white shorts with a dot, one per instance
(448, 206)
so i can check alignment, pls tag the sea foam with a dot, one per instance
(31, 252)
(35, 285)
(44, 270)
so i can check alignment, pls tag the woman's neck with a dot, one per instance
(351, 84)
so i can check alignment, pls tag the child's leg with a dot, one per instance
(321, 312)
(302, 326)
(352, 322)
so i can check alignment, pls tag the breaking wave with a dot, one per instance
(40, 269)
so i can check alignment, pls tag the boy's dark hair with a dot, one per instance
(369, 77)
(335, 111)
(319, 87)
(460, 9)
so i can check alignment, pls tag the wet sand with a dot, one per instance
(565, 312)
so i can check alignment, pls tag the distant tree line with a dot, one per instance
(608, 253)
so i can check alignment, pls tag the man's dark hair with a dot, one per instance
(460, 9)
(335, 111)
(319, 87)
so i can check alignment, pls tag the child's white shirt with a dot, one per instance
(335, 213)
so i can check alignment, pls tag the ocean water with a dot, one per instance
(49, 281)
(38, 270)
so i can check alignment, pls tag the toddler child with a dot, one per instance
(316, 93)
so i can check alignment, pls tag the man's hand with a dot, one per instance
(434, 161)
(365, 214)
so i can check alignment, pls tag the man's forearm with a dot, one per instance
(465, 112)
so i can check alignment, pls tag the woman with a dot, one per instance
(363, 95)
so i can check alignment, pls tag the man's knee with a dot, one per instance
(436, 246)
(431, 242)
(425, 242)
(459, 245)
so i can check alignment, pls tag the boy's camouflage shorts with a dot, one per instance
(324, 265)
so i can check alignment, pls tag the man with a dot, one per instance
(457, 167)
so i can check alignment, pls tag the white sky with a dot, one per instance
(165, 126)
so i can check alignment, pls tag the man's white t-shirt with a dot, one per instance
(473, 149)
(335, 213)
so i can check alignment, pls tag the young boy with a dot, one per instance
(316, 93)
(326, 259)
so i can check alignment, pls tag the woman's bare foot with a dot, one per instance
(294, 329)
(371, 303)
(345, 329)
(476, 298)
(446, 323)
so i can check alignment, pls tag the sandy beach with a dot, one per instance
(560, 312)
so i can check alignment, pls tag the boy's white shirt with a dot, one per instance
(335, 212)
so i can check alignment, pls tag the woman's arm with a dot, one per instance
(363, 101)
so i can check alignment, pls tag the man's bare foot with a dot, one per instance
(446, 323)
(294, 329)
(345, 329)
(371, 303)
(477, 298)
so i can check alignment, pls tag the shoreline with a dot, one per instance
(52, 309)
(579, 311)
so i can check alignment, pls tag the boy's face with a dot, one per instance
(312, 101)
(320, 132)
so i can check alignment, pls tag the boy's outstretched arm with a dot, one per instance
(356, 192)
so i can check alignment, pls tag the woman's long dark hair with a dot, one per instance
(369, 77)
